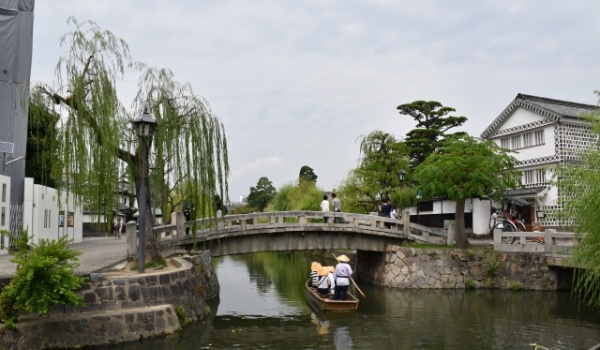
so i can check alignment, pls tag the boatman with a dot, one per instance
(342, 274)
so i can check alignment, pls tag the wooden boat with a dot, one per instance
(314, 299)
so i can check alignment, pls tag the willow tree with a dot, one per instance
(97, 141)
(579, 185)
(377, 175)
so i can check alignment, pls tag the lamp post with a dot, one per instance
(145, 127)
(419, 196)
(105, 219)
(401, 175)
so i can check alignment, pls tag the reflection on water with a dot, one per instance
(262, 306)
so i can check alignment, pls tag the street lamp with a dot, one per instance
(145, 127)
(401, 175)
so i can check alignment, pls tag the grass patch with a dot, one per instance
(469, 284)
(150, 264)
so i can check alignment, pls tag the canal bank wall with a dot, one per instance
(122, 308)
(437, 268)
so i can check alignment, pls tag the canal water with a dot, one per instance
(262, 306)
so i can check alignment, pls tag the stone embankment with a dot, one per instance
(429, 268)
(122, 308)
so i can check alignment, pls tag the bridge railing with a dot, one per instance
(549, 242)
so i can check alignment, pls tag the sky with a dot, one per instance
(299, 82)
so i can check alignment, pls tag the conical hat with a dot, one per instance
(331, 268)
(343, 258)
(315, 266)
(324, 271)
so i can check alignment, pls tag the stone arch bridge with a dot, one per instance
(294, 230)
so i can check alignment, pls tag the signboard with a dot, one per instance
(7, 147)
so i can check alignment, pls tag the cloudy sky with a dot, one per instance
(297, 82)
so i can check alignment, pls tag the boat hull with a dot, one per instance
(314, 299)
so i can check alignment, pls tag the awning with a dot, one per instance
(158, 213)
(517, 201)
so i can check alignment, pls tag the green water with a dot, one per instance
(262, 306)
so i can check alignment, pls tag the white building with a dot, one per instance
(542, 132)
(46, 216)
(4, 212)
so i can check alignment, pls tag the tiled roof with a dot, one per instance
(549, 108)
(563, 108)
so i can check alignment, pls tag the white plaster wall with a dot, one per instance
(4, 212)
(520, 117)
(41, 213)
(45, 214)
(28, 205)
(481, 216)
(68, 204)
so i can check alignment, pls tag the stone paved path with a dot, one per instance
(97, 253)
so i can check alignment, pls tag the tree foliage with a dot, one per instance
(302, 196)
(96, 136)
(307, 174)
(260, 195)
(377, 174)
(42, 137)
(432, 124)
(579, 185)
(44, 277)
(467, 167)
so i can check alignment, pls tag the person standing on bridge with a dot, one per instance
(343, 273)
(337, 207)
(385, 210)
(325, 207)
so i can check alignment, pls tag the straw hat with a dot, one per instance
(324, 271)
(331, 268)
(343, 258)
(315, 266)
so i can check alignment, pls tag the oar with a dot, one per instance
(351, 279)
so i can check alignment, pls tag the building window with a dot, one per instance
(505, 143)
(3, 193)
(535, 176)
(540, 176)
(528, 177)
(539, 137)
(516, 142)
(3, 219)
(528, 140)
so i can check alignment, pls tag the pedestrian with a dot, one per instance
(117, 229)
(393, 215)
(493, 221)
(343, 273)
(325, 206)
(385, 210)
(337, 207)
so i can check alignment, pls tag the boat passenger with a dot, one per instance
(314, 274)
(343, 273)
(331, 279)
(323, 282)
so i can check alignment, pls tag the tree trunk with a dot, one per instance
(151, 249)
(462, 241)
(152, 253)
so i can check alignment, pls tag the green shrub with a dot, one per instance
(469, 284)
(515, 285)
(183, 319)
(494, 266)
(44, 276)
